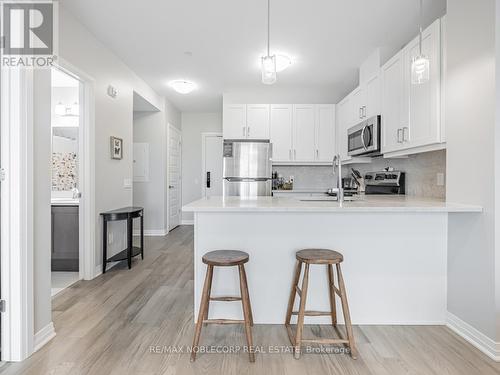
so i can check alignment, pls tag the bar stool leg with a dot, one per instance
(293, 292)
(246, 311)
(347, 316)
(302, 309)
(333, 306)
(248, 296)
(209, 293)
(201, 313)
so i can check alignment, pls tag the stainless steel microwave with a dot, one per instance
(364, 138)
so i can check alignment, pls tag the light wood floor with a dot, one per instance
(107, 325)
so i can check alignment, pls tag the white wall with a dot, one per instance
(277, 95)
(193, 124)
(471, 159)
(150, 127)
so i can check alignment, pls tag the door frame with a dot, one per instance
(86, 173)
(204, 137)
(171, 128)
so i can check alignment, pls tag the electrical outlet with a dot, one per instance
(110, 238)
(440, 179)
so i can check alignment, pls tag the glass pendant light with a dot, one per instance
(420, 65)
(268, 63)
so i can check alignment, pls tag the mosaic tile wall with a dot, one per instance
(64, 171)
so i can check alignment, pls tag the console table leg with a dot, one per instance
(104, 244)
(129, 242)
(142, 236)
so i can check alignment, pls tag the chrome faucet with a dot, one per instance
(337, 162)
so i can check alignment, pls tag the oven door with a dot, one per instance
(364, 138)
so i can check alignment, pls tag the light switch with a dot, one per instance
(440, 179)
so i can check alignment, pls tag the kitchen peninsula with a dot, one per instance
(395, 254)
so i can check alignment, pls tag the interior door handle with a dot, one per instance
(208, 180)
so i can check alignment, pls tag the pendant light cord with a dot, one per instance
(421, 17)
(268, 25)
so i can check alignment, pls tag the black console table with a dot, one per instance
(129, 214)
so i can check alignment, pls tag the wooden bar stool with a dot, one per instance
(329, 258)
(225, 258)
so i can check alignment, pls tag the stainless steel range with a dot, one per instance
(385, 182)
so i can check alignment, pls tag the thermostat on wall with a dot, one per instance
(112, 91)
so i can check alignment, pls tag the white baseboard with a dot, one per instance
(474, 337)
(43, 336)
(98, 269)
(152, 232)
(187, 222)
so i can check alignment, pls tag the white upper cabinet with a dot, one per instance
(344, 121)
(393, 120)
(235, 121)
(424, 99)
(304, 146)
(325, 132)
(257, 121)
(303, 133)
(282, 132)
(411, 114)
(372, 97)
(246, 121)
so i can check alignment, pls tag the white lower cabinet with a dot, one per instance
(302, 133)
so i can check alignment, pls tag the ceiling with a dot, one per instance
(328, 40)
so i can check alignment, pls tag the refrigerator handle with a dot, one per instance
(208, 180)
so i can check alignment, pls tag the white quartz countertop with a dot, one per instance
(64, 202)
(372, 203)
(302, 191)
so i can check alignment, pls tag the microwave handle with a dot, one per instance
(363, 137)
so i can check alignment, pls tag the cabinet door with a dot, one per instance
(372, 96)
(303, 132)
(392, 103)
(424, 99)
(258, 121)
(344, 116)
(325, 132)
(357, 105)
(281, 131)
(235, 121)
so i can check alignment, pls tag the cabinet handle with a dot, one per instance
(317, 154)
(290, 154)
(248, 131)
(360, 112)
(294, 154)
(244, 130)
(400, 133)
(405, 138)
(364, 111)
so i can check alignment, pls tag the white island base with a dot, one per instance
(394, 259)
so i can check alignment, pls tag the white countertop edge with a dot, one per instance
(468, 209)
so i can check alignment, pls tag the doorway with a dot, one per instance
(174, 167)
(212, 147)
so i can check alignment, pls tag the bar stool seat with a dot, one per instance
(319, 256)
(225, 258)
(305, 258)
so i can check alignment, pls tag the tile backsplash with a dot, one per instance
(64, 171)
(421, 173)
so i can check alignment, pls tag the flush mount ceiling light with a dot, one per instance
(420, 65)
(268, 63)
(182, 86)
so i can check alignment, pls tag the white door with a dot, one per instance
(392, 104)
(325, 132)
(174, 177)
(258, 121)
(212, 165)
(304, 131)
(235, 121)
(281, 131)
(424, 114)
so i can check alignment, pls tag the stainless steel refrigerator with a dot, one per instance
(247, 170)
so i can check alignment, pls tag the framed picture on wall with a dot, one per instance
(116, 148)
